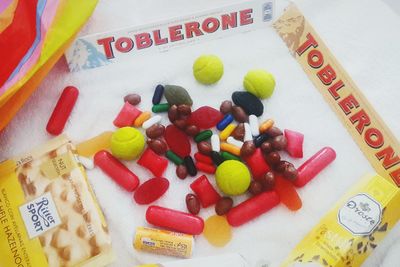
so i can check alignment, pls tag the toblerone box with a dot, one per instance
(363, 217)
(348, 234)
(49, 216)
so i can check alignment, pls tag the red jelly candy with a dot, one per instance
(257, 164)
(205, 117)
(62, 110)
(151, 190)
(205, 167)
(177, 141)
(116, 170)
(287, 193)
(314, 165)
(126, 116)
(294, 143)
(175, 220)
(252, 208)
(203, 158)
(205, 191)
(153, 162)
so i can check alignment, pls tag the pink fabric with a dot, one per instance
(4, 4)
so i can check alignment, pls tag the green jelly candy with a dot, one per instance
(160, 108)
(204, 135)
(173, 157)
(228, 156)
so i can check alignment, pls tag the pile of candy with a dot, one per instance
(243, 153)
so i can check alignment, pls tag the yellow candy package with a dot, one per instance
(349, 233)
(49, 216)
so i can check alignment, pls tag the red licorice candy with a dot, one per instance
(257, 164)
(151, 190)
(205, 117)
(287, 193)
(205, 191)
(314, 165)
(294, 143)
(177, 141)
(205, 167)
(175, 220)
(127, 115)
(203, 158)
(252, 208)
(116, 170)
(153, 162)
(62, 110)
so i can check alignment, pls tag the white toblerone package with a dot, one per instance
(97, 50)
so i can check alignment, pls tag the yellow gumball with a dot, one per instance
(260, 83)
(233, 177)
(127, 143)
(208, 69)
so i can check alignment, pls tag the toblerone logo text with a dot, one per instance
(374, 138)
(175, 33)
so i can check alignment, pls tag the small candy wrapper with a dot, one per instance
(48, 213)
(348, 234)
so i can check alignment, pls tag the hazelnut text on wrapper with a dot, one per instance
(176, 33)
(352, 108)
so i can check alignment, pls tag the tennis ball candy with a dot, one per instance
(260, 83)
(208, 69)
(127, 143)
(233, 177)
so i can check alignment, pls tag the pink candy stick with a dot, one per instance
(252, 208)
(314, 165)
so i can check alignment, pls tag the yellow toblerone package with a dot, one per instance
(49, 216)
(348, 234)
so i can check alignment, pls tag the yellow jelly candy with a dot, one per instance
(217, 231)
(90, 147)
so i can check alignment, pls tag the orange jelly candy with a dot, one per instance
(217, 231)
(287, 193)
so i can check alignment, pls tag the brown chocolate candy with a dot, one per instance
(238, 132)
(173, 113)
(192, 130)
(273, 158)
(157, 145)
(133, 99)
(279, 142)
(204, 147)
(239, 114)
(266, 147)
(226, 107)
(181, 171)
(274, 131)
(192, 204)
(281, 166)
(184, 110)
(268, 181)
(180, 123)
(223, 205)
(247, 149)
(155, 131)
(256, 187)
(290, 172)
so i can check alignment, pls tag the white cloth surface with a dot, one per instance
(362, 34)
